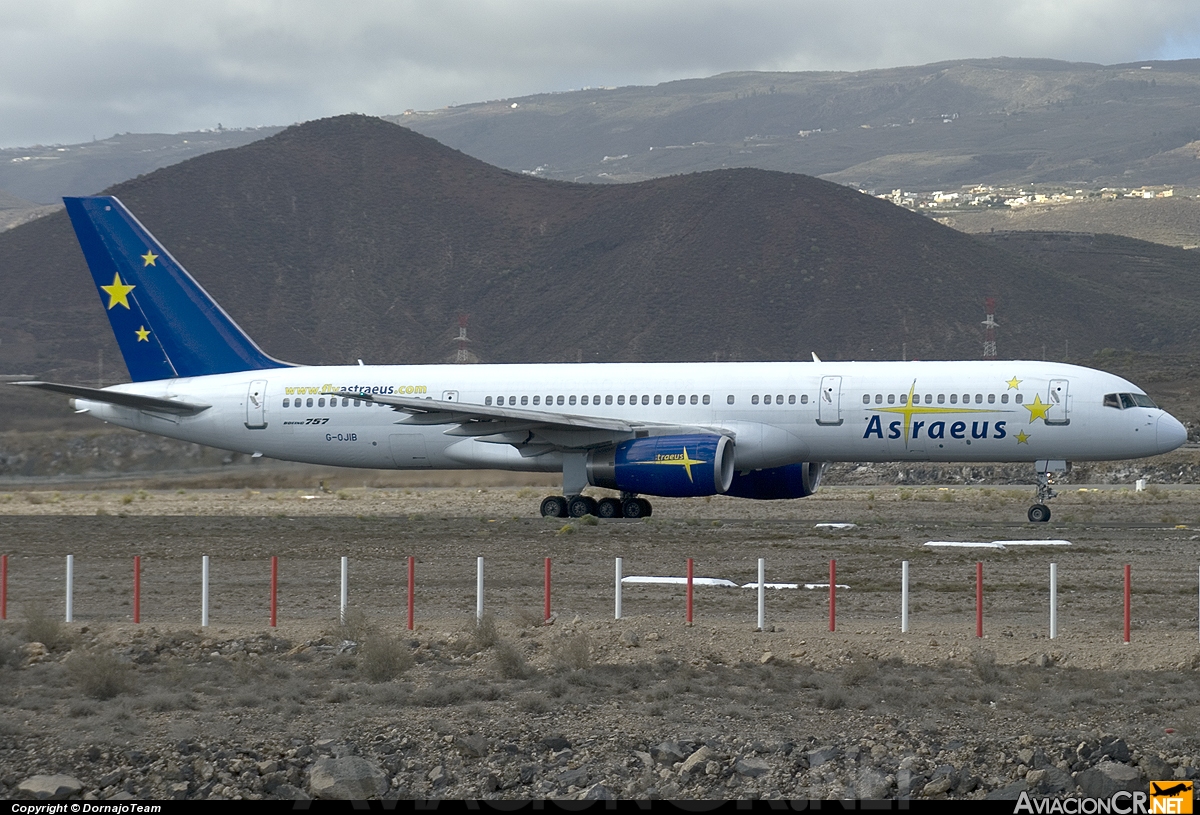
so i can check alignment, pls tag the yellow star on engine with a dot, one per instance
(118, 292)
(149, 257)
(143, 334)
(1038, 409)
(1013, 383)
(1022, 438)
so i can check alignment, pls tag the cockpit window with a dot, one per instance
(1121, 401)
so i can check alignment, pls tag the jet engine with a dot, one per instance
(672, 466)
(790, 481)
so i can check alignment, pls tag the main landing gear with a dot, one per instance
(627, 506)
(1039, 513)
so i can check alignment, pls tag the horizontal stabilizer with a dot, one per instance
(129, 400)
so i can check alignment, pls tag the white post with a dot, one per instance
(617, 595)
(762, 597)
(904, 597)
(70, 588)
(344, 598)
(204, 591)
(1053, 600)
(479, 589)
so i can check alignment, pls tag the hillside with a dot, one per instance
(1169, 221)
(353, 238)
(993, 121)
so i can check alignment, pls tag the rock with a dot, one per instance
(872, 785)
(347, 778)
(1155, 769)
(667, 752)
(938, 786)
(696, 759)
(630, 639)
(752, 767)
(436, 776)
(472, 745)
(765, 658)
(1009, 792)
(573, 778)
(822, 755)
(49, 787)
(555, 743)
(596, 792)
(1117, 750)
(1108, 777)
(1050, 781)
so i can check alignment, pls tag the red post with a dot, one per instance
(833, 595)
(274, 588)
(137, 588)
(689, 592)
(547, 582)
(3, 587)
(412, 582)
(1127, 593)
(979, 599)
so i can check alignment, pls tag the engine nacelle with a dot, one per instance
(791, 481)
(671, 466)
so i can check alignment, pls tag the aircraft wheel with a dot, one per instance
(608, 508)
(1039, 513)
(647, 510)
(582, 505)
(633, 508)
(554, 506)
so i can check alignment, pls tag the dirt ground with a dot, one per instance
(1014, 683)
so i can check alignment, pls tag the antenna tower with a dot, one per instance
(462, 355)
(990, 325)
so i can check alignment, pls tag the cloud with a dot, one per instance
(71, 69)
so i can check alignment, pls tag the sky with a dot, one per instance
(73, 70)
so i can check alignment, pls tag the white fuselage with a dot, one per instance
(777, 412)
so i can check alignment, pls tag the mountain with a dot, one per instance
(989, 121)
(352, 238)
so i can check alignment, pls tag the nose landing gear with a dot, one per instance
(1039, 513)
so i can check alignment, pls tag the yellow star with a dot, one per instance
(1012, 383)
(118, 292)
(1038, 409)
(680, 460)
(143, 335)
(1022, 438)
(149, 257)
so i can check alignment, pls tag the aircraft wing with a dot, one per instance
(517, 426)
(130, 400)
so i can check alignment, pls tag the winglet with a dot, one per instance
(166, 324)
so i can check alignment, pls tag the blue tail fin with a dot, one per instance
(165, 323)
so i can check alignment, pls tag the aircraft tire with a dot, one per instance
(1039, 514)
(555, 506)
(647, 509)
(581, 505)
(632, 508)
(609, 508)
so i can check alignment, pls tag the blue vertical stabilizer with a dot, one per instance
(165, 323)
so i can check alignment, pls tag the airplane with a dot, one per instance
(754, 430)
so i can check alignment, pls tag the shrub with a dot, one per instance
(509, 661)
(383, 657)
(984, 663)
(44, 628)
(573, 653)
(99, 674)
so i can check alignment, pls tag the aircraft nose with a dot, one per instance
(1170, 433)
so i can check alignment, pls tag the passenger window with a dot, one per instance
(596, 399)
(645, 399)
(571, 401)
(670, 399)
(929, 398)
(309, 401)
(357, 402)
(754, 399)
(706, 399)
(979, 398)
(321, 402)
(584, 399)
(991, 398)
(728, 398)
(954, 398)
(791, 398)
(287, 402)
(866, 398)
(524, 400)
(779, 398)
(608, 399)
(345, 401)
(879, 398)
(891, 398)
(682, 399)
(904, 398)
(694, 400)
(561, 400)
(620, 398)
(537, 400)
(1004, 398)
(767, 399)
(1019, 399)
(941, 398)
(657, 399)
(804, 398)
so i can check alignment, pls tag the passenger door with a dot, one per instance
(256, 405)
(829, 401)
(1059, 397)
